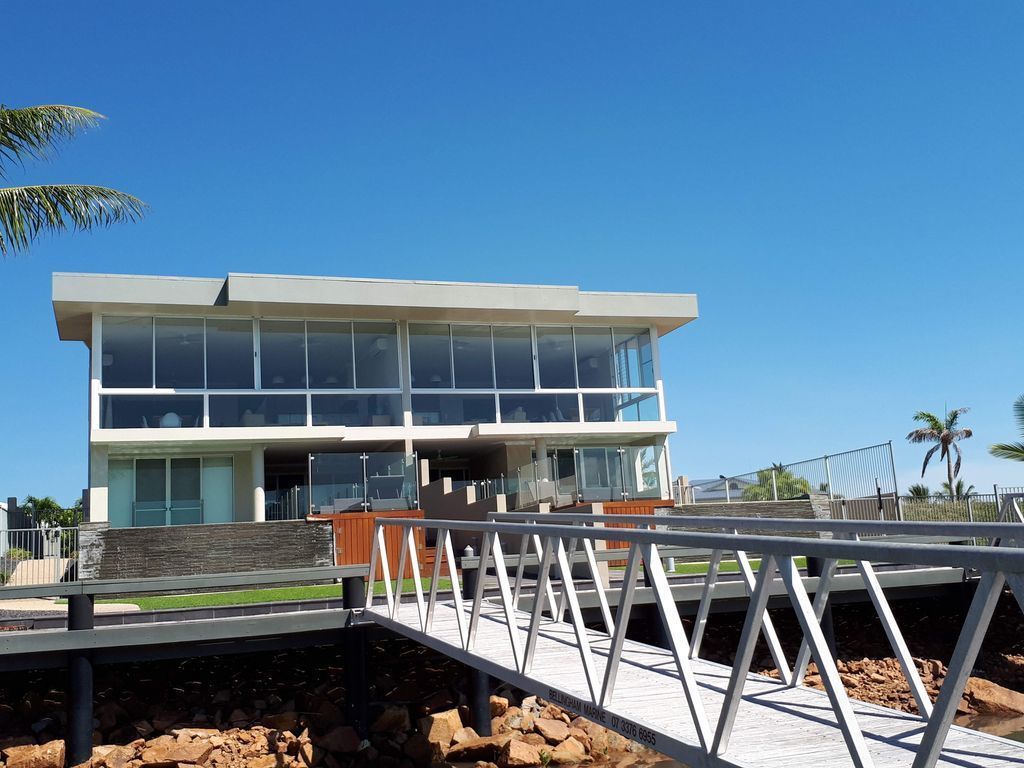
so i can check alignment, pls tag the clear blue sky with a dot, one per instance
(840, 183)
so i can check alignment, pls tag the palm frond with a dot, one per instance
(954, 416)
(33, 131)
(1018, 413)
(924, 435)
(26, 212)
(959, 458)
(932, 421)
(928, 457)
(1011, 451)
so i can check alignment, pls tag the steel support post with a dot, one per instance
(80, 684)
(815, 567)
(357, 659)
(478, 689)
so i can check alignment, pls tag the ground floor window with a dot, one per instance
(172, 490)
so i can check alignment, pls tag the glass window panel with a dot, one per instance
(555, 358)
(257, 410)
(120, 492)
(430, 356)
(631, 406)
(150, 492)
(330, 355)
(186, 492)
(452, 409)
(539, 408)
(641, 467)
(634, 357)
(376, 350)
(179, 352)
(127, 352)
(229, 354)
(218, 490)
(471, 347)
(282, 354)
(594, 357)
(600, 477)
(357, 410)
(336, 482)
(390, 481)
(513, 357)
(150, 411)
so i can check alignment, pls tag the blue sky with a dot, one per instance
(840, 183)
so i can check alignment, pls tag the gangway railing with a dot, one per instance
(556, 602)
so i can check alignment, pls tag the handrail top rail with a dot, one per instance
(915, 527)
(1002, 559)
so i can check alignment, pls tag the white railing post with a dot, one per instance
(775, 487)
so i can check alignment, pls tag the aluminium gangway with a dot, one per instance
(699, 712)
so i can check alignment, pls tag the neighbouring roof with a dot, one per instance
(76, 296)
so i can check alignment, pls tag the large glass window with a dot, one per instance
(357, 410)
(282, 354)
(452, 409)
(330, 355)
(594, 357)
(229, 354)
(150, 507)
(513, 356)
(186, 506)
(430, 355)
(471, 346)
(555, 358)
(537, 408)
(634, 357)
(376, 352)
(632, 406)
(150, 411)
(127, 352)
(257, 410)
(179, 352)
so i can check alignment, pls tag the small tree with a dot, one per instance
(788, 485)
(959, 490)
(919, 491)
(48, 511)
(945, 434)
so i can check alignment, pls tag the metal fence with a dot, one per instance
(31, 556)
(857, 474)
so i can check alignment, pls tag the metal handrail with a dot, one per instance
(998, 565)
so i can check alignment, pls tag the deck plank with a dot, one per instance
(776, 726)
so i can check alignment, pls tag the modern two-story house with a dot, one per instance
(258, 397)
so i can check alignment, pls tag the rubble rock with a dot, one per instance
(483, 748)
(48, 755)
(394, 719)
(464, 734)
(342, 738)
(569, 751)
(555, 731)
(986, 698)
(518, 753)
(499, 706)
(440, 728)
(173, 752)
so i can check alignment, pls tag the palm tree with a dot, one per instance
(26, 212)
(945, 434)
(959, 491)
(919, 491)
(788, 485)
(1012, 451)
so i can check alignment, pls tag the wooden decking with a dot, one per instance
(776, 727)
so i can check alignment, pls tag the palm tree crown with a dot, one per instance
(28, 211)
(945, 433)
(1012, 451)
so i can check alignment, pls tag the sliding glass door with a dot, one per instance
(169, 491)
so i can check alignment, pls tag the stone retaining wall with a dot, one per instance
(190, 550)
(816, 507)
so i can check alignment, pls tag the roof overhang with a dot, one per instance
(77, 296)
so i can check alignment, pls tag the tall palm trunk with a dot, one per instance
(949, 473)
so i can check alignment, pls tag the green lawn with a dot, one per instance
(246, 596)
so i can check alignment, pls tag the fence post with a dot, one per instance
(80, 683)
(726, 479)
(479, 688)
(353, 597)
(970, 509)
(775, 487)
(828, 477)
(999, 511)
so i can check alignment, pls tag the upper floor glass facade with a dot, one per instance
(242, 372)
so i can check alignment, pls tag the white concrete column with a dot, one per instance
(540, 447)
(259, 508)
(98, 482)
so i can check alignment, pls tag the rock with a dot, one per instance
(581, 736)
(418, 748)
(144, 728)
(484, 764)
(555, 731)
(987, 698)
(311, 755)
(158, 754)
(195, 733)
(518, 753)
(532, 706)
(266, 761)
(534, 738)
(849, 681)
(483, 748)
(465, 734)
(118, 757)
(440, 727)
(238, 717)
(569, 751)
(393, 719)
(499, 706)
(49, 755)
(342, 738)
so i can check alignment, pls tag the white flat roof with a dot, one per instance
(76, 296)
